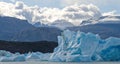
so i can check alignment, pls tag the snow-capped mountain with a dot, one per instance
(39, 24)
(62, 24)
(20, 30)
(102, 19)
(110, 18)
(38, 34)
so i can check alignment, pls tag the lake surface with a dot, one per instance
(38, 62)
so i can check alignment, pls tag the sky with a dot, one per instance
(103, 5)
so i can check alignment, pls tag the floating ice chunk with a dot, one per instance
(5, 53)
(19, 58)
(73, 58)
(32, 56)
(6, 59)
(58, 56)
(45, 57)
(85, 58)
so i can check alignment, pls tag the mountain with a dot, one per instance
(104, 29)
(103, 19)
(13, 29)
(10, 26)
(110, 17)
(105, 26)
(38, 34)
(39, 24)
(62, 24)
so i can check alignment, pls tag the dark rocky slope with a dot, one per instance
(25, 47)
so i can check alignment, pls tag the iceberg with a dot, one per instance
(73, 47)
(112, 53)
(32, 56)
(6, 59)
(19, 58)
(112, 41)
(79, 46)
(5, 53)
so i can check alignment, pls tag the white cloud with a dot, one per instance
(74, 13)
(19, 5)
(111, 13)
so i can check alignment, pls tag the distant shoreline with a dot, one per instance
(26, 47)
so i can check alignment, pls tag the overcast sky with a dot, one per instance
(104, 5)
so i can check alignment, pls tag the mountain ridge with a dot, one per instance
(11, 27)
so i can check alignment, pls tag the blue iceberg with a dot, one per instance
(112, 53)
(73, 47)
(79, 46)
(19, 58)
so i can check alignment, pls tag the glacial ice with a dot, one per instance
(19, 58)
(112, 53)
(6, 59)
(32, 56)
(73, 47)
(79, 46)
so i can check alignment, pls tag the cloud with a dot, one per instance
(19, 5)
(111, 13)
(74, 13)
